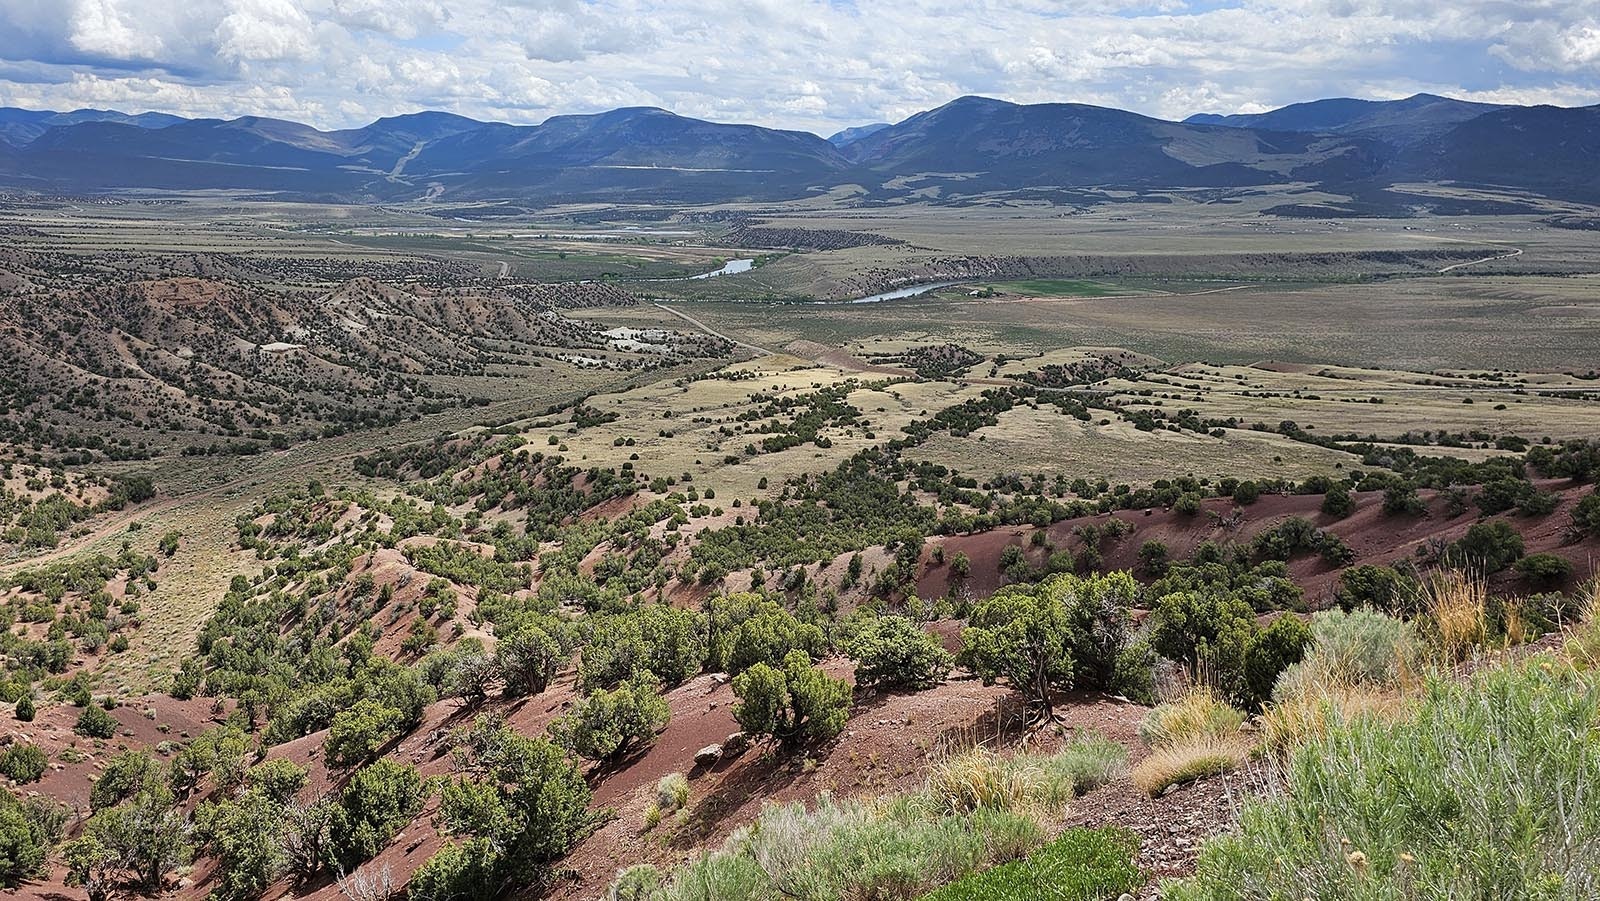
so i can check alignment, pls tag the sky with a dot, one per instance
(817, 65)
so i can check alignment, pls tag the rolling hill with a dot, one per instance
(971, 146)
(1400, 122)
(1003, 145)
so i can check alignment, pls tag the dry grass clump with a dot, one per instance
(1583, 643)
(1187, 760)
(1199, 712)
(982, 779)
(1361, 663)
(978, 778)
(672, 794)
(1459, 606)
(1309, 713)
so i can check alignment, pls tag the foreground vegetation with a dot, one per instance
(977, 810)
(1479, 792)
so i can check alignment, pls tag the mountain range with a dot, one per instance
(970, 146)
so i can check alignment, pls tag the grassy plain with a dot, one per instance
(1045, 441)
(1496, 322)
(690, 429)
(1332, 399)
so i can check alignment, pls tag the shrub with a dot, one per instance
(1153, 559)
(246, 836)
(1419, 808)
(1135, 677)
(1246, 493)
(521, 805)
(1269, 652)
(1360, 646)
(28, 830)
(458, 871)
(124, 776)
(381, 799)
(1402, 500)
(796, 704)
(25, 708)
(360, 731)
(1188, 760)
(960, 565)
(218, 752)
(1217, 636)
(1080, 865)
(530, 651)
(655, 638)
(607, 725)
(278, 779)
(1338, 502)
(1187, 504)
(1068, 631)
(1488, 546)
(94, 722)
(640, 882)
(1199, 712)
(672, 792)
(138, 842)
(1544, 570)
(1586, 515)
(893, 651)
(746, 629)
(23, 762)
(1380, 587)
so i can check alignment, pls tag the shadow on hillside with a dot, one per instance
(750, 776)
(1008, 722)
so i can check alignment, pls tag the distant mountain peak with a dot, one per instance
(1402, 122)
(855, 133)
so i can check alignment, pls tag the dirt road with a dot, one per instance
(713, 332)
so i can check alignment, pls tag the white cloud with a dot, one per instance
(106, 28)
(264, 30)
(814, 64)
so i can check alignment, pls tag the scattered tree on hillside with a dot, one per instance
(797, 703)
(893, 651)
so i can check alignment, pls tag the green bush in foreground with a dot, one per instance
(796, 704)
(1081, 865)
(1485, 794)
(893, 651)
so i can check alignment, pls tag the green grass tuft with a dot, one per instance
(1081, 865)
